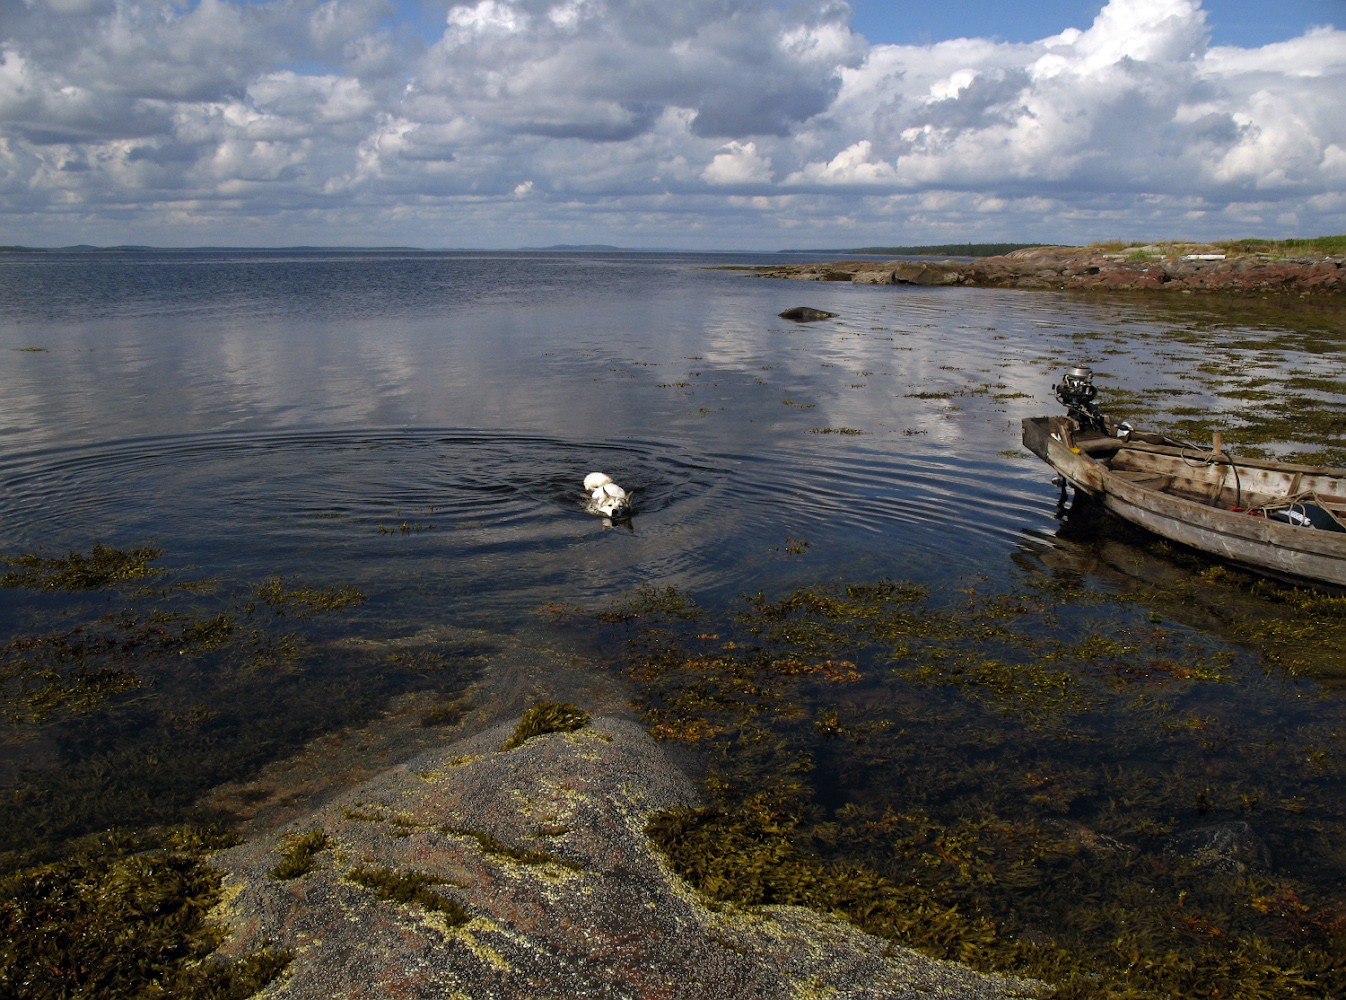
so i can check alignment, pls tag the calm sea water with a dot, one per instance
(221, 405)
(417, 425)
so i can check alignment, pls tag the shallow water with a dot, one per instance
(417, 425)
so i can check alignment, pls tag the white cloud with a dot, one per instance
(486, 17)
(851, 166)
(739, 164)
(613, 113)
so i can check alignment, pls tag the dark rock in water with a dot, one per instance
(805, 314)
(1226, 847)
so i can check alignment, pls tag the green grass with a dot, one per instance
(1316, 244)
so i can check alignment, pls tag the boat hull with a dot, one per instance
(1299, 555)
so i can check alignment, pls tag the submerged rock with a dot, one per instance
(805, 314)
(1225, 847)
(480, 872)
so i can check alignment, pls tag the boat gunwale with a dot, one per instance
(1267, 546)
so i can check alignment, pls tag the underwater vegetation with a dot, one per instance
(123, 704)
(1061, 780)
(547, 717)
(122, 917)
(1267, 373)
(300, 602)
(102, 567)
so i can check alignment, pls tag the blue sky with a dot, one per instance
(1247, 23)
(704, 123)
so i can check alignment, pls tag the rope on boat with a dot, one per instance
(1207, 459)
(1297, 503)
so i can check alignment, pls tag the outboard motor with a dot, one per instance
(1077, 394)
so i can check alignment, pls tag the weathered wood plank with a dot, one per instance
(1127, 489)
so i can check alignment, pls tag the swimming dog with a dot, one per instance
(606, 497)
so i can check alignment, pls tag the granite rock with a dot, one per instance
(543, 847)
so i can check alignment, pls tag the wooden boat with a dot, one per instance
(1282, 520)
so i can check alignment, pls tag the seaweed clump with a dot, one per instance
(300, 602)
(103, 567)
(497, 848)
(748, 856)
(178, 684)
(547, 717)
(410, 887)
(298, 856)
(112, 921)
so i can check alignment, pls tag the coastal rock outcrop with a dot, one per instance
(1133, 269)
(474, 871)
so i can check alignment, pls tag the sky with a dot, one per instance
(700, 124)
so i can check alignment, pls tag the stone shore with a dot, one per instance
(543, 846)
(590, 910)
(1133, 269)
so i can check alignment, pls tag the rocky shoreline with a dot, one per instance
(1186, 268)
(459, 862)
(488, 871)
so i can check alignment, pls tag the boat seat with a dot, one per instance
(1144, 478)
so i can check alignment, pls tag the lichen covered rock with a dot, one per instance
(475, 872)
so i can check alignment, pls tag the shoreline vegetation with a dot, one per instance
(1302, 267)
(1175, 886)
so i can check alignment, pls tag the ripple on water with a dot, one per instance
(471, 513)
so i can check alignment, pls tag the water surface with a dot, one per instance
(416, 425)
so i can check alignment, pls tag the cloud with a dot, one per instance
(851, 166)
(729, 120)
(739, 164)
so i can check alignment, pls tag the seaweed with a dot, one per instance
(445, 715)
(490, 845)
(103, 567)
(410, 887)
(750, 855)
(298, 855)
(78, 669)
(1009, 779)
(149, 697)
(114, 920)
(546, 717)
(300, 602)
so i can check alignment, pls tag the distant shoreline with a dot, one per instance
(1177, 268)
